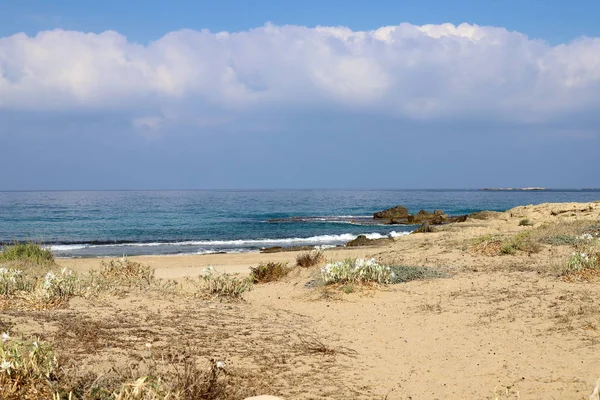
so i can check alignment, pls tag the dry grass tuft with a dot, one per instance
(493, 245)
(311, 344)
(564, 233)
(125, 271)
(310, 258)
(27, 368)
(487, 245)
(525, 222)
(520, 242)
(269, 272)
(221, 285)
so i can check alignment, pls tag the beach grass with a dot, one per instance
(29, 252)
(269, 272)
(310, 258)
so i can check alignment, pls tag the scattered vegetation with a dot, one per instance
(560, 240)
(356, 271)
(584, 262)
(491, 245)
(26, 369)
(520, 242)
(12, 281)
(269, 272)
(565, 233)
(57, 287)
(30, 369)
(405, 273)
(26, 253)
(310, 258)
(122, 273)
(223, 285)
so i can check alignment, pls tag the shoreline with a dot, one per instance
(500, 321)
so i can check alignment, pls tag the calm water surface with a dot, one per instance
(111, 223)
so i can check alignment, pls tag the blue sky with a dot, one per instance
(311, 94)
(551, 20)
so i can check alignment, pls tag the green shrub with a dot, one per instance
(525, 222)
(559, 240)
(11, 281)
(310, 258)
(520, 242)
(269, 272)
(356, 271)
(57, 287)
(351, 271)
(26, 252)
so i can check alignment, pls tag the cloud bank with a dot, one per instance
(430, 72)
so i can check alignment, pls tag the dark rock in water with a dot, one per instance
(394, 213)
(279, 249)
(362, 240)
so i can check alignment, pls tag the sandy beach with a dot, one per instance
(499, 326)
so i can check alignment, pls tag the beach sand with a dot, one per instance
(499, 327)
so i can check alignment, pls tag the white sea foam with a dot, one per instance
(230, 245)
(66, 247)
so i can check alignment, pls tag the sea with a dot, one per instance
(117, 223)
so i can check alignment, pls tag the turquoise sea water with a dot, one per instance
(113, 223)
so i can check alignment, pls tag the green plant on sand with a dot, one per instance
(26, 252)
(222, 285)
(353, 271)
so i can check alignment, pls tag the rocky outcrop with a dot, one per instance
(394, 213)
(484, 215)
(425, 228)
(399, 216)
(362, 240)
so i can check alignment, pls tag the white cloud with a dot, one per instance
(425, 72)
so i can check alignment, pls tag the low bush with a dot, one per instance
(269, 272)
(127, 271)
(356, 271)
(520, 242)
(559, 240)
(26, 252)
(223, 285)
(12, 281)
(310, 258)
(566, 233)
(57, 287)
(586, 257)
(525, 222)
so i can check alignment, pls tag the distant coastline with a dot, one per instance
(513, 189)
